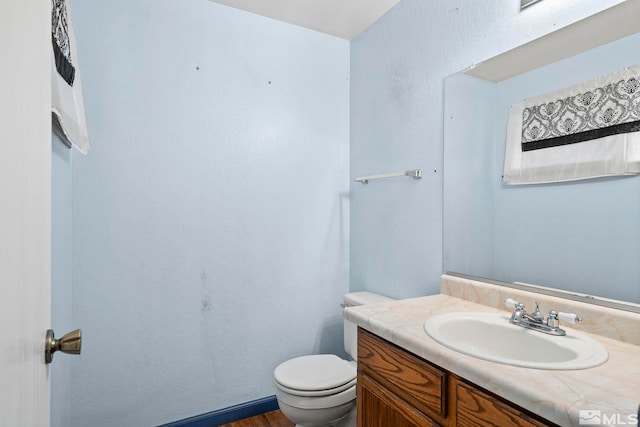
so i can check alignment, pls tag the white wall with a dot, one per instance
(398, 67)
(210, 238)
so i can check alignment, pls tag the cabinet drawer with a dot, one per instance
(378, 407)
(411, 378)
(476, 408)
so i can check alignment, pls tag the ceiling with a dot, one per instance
(341, 18)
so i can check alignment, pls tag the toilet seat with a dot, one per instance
(315, 382)
(319, 373)
(316, 393)
(320, 402)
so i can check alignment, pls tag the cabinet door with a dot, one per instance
(378, 407)
(475, 408)
(404, 374)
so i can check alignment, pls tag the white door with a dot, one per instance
(25, 210)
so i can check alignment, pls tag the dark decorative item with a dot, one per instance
(60, 41)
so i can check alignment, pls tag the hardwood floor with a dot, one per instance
(270, 419)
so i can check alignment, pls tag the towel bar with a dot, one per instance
(415, 173)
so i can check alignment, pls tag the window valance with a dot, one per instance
(588, 130)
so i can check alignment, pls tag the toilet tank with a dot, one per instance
(351, 329)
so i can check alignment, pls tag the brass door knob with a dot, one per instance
(70, 343)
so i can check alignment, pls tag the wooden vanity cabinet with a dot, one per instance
(398, 389)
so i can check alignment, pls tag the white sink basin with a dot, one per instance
(490, 336)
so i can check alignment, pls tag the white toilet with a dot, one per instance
(320, 390)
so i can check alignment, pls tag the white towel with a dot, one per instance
(67, 103)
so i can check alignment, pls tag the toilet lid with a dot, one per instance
(316, 372)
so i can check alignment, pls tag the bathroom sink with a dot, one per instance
(490, 336)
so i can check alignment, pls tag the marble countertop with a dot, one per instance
(612, 388)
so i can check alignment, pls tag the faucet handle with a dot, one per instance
(569, 317)
(537, 315)
(511, 303)
(552, 319)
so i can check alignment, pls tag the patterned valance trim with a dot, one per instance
(582, 136)
(607, 106)
(61, 41)
(63, 66)
(67, 103)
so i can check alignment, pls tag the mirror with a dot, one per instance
(526, 3)
(580, 236)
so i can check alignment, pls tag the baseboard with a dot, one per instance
(228, 415)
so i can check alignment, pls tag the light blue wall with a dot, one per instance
(211, 232)
(469, 176)
(211, 218)
(582, 236)
(61, 279)
(398, 68)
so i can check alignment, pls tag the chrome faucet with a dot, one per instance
(536, 321)
(519, 314)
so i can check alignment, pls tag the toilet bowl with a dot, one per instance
(320, 390)
(317, 390)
